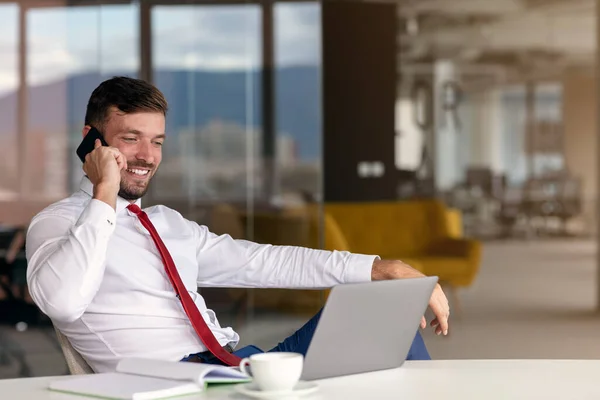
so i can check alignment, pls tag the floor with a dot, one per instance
(532, 299)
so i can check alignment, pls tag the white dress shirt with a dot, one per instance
(98, 275)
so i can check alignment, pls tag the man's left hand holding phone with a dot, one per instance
(103, 165)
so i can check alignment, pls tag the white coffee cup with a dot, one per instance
(274, 371)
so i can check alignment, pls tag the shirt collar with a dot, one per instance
(87, 187)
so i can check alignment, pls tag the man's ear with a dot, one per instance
(85, 130)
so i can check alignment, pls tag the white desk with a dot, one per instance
(439, 380)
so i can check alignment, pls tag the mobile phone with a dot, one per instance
(88, 142)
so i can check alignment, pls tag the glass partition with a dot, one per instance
(9, 81)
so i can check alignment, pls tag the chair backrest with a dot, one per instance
(395, 228)
(76, 363)
(225, 219)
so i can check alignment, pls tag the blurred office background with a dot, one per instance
(459, 136)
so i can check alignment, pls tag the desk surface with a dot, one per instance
(455, 379)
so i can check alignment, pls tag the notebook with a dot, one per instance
(142, 379)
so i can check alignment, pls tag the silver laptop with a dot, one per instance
(367, 327)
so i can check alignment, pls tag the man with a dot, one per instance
(96, 271)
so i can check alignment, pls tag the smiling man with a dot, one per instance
(120, 282)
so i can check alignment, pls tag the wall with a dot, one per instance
(359, 97)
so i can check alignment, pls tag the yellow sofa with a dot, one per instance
(424, 234)
(293, 227)
(300, 226)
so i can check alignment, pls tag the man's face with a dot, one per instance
(139, 137)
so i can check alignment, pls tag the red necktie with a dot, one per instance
(189, 306)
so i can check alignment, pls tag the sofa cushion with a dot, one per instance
(406, 228)
(446, 268)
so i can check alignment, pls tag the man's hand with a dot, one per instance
(390, 269)
(103, 167)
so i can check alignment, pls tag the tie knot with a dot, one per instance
(134, 209)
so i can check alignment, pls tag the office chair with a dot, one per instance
(77, 365)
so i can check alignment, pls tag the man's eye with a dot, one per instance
(158, 143)
(128, 139)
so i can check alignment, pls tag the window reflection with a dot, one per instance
(70, 50)
(9, 179)
(298, 99)
(206, 62)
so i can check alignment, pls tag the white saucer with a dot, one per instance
(301, 389)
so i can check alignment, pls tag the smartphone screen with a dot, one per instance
(87, 144)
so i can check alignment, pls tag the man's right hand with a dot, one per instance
(103, 167)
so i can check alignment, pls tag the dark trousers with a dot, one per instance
(298, 343)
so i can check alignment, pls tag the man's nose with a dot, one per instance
(145, 152)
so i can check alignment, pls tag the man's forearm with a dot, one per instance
(393, 269)
(106, 194)
(257, 265)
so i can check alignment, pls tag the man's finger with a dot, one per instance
(97, 143)
(122, 164)
(423, 323)
(441, 314)
(119, 157)
(440, 308)
(121, 161)
(443, 319)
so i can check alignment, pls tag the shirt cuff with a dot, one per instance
(359, 268)
(100, 215)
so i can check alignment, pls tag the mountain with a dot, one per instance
(195, 98)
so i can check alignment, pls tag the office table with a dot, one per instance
(440, 380)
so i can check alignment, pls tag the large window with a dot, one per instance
(520, 162)
(206, 61)
(298, 97)
(70, 50)
(9, 178)
(213, 63)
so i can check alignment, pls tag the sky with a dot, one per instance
(105, 39)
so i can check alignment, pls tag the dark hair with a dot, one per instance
(129, 95)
